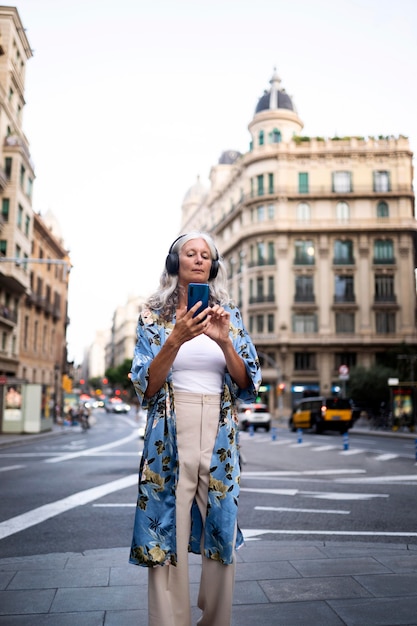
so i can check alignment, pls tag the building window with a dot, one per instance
(275, 136)
(260, 181)
(304, 289)
(304, 323)
(259, 323)
(384, 288)
(35, 335)
(341, 182)
(270, 183)
(27, 225)
(5, 207)
(304, 252)
(3, 247)
(345, 322)
(20, 216)
(271, 289)
(382, 181)
(344, 289)
(343, 252)
(260, 248)
(271, 323)
(304, 361)
(303, 212)
(22, 176)
(8, 162)
(25, 332)
(342, 212)
(261, 137)
(384, 251)
(258, 213)
(344, 358)
(271, 253)
(382, 210)
(385, 322)
(302, 182)
(271, 211)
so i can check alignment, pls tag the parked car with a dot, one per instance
(321, 413)
(256, 415)
(116, 405)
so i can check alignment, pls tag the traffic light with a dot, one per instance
(281, 389)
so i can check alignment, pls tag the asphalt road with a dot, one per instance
(76, 491)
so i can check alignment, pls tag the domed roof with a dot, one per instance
(275, 98)
(229, 157)
(196, 192)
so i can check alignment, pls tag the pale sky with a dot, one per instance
(128, 102)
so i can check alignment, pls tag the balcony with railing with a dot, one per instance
(262, 298)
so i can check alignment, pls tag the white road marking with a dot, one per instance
(43, 513)
(11, 467)
(324, 448)
(92, 451)
(333, 495)
(408, 479)
(293, 510)
(115, 505)
(386, 457)
(253, 533)
(279, 473)
(324, 495)
(306, 444)
(351, 452)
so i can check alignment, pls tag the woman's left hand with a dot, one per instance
(218, 324)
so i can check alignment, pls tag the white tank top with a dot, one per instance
(199, 366)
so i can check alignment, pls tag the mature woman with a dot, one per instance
(189, 371)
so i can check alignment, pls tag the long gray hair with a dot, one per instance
(166, 297)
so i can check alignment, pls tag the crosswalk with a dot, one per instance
(294, 444)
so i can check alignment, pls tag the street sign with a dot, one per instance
(343, 372)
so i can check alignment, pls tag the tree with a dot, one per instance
(119, 376)
(369, 387)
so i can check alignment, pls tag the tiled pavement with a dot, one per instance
(278, 583)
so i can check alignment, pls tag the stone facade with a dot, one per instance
(319, 237)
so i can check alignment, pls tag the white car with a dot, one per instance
(116, 405)
(256, 415)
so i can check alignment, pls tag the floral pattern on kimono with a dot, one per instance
(154, 533)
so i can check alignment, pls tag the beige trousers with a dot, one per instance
(168, 586)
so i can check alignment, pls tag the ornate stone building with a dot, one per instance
(34, 264)
(319, 236)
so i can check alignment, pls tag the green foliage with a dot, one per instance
(119, 376)
(369, 387)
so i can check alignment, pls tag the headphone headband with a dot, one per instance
(172, 262)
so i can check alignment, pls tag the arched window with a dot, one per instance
(303, 212)
(382, 210)
(261, 137)
(275, 136)
(342, 211)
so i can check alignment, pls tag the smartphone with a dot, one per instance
(197, 292)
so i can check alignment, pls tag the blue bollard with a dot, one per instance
(251, 430)
(345, 441)
(274, 433)
(300, 436)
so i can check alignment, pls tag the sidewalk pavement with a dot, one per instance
(289, 582)
(278, 583)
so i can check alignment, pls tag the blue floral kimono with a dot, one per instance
(154, 534)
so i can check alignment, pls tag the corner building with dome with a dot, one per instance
(319, 238)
